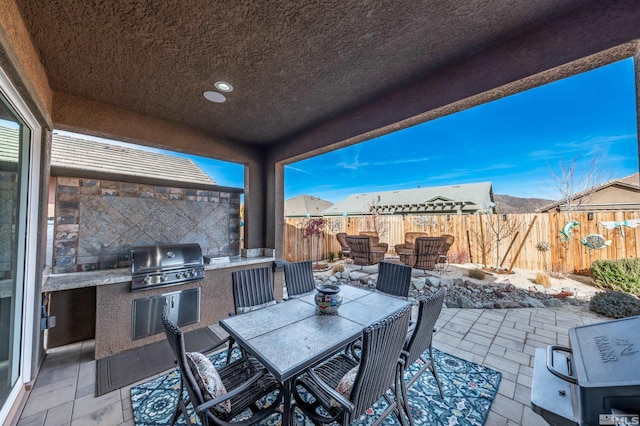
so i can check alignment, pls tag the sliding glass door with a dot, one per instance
(14, 167)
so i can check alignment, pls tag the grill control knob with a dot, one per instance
(146, 280)
(178, 275)
(192, 273)
(163, 277)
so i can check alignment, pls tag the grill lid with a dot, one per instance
(607, 354)
(164, 257)
(163, 265)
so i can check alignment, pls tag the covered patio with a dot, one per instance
(502, 339)
(266, 84)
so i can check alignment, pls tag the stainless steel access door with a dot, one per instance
(184, 308)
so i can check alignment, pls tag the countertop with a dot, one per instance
(57, 282)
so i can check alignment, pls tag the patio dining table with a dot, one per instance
(289, 337)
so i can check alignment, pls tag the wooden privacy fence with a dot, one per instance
(517, 250)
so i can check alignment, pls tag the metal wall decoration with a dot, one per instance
(631, 223)
(424, 221)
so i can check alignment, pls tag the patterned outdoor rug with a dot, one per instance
(469, 390)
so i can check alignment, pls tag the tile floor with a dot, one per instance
(505, 340)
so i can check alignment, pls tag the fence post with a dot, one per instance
(484, 253)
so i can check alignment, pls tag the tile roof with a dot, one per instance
(8, 147)
(466, 198)
(302, 204)
(71, 153)
(84, 155)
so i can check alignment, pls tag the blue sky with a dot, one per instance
(513, 142)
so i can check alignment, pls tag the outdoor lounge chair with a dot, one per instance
(246, 381)
(346, 251)
(375, 239)
(298, 277)
(448, 242)
(425, 254)
(377, 372)
(420, 338)
(409, 242)
(394, 279)
(363, 252)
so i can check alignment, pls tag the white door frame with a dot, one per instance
(30, 245)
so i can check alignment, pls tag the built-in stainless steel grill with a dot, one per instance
(594, 382)
(165, 264)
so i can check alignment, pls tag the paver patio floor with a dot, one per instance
(504, 340)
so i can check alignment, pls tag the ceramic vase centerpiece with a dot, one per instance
(328, 299)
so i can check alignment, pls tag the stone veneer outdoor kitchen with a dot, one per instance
(97, 221)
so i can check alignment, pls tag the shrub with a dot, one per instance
(476, 274)
(615, 304)
(331, 256)
(543, 279)
(339, 267)
(340, 254)
(459, 257)
(619, 274)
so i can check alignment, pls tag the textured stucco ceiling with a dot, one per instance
(294, 64)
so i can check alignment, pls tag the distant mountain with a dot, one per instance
(509, 204)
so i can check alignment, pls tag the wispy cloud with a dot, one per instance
(352, 165)
(591, 145)
(298, 169)
(356, 164)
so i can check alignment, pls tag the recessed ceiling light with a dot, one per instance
(214, 96)
(223, 86)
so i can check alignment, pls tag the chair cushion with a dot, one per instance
(208, 380)
(346, 383)
(245, 309)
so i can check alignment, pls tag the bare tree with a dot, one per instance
(575, 182)
(485, 244)
(375, 221)
(499, 227)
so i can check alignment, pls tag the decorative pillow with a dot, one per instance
(208, 380)
(245, 309)
(346, 383)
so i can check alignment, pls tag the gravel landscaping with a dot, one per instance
(495, 291)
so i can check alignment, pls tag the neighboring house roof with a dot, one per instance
(302, 204)
(9, 149)
(595, 198)
(463, 198)
(78, 154)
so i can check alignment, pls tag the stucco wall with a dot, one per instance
(114, 304)
(615, 195)
(97, 221)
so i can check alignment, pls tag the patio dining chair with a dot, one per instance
(420, 339)
(218, 395)
(298, 277)
(394, 279)
(363, 252)
(342, 389)
(252, 289)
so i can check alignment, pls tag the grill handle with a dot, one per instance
(550, 350)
